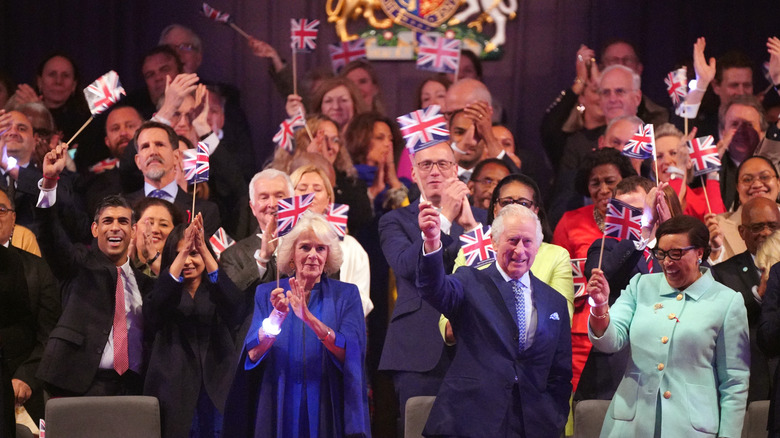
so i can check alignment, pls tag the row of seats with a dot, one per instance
(588, 417)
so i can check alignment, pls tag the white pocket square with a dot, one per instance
(555, 317)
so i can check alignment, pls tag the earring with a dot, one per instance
(699, 261)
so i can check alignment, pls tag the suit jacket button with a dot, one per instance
(661, 368)
(668, 395)
(665, 339)
(672, 316)
(679, 297)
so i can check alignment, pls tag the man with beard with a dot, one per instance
(103, 178)
(157, 158)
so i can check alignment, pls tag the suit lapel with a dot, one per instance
(747, 270)
(504, 300)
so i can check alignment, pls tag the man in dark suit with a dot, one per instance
(251, 261)
(44, 300)
(96, 347)
(414, 349)
(511, 375)
(157, 157)
(759, 218)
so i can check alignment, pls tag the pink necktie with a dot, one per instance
(649, 259)
(121, 359)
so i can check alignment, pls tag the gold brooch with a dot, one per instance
(657, 306)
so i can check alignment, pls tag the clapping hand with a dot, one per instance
(297, 299)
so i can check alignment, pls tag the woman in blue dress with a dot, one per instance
(301, 371)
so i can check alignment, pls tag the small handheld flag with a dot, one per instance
(337, 217)
(195, 164)
(437, 53)
(103, 93)
(220, 241)
(345, 52)
(477, 246)
(704, 155)
(423, 128)
(623, 221)
(642, 144)
(578, 274)
(102, 166)
(289, 211)
(303, 34)
(284, 137)
(677, 85)
(213, 14)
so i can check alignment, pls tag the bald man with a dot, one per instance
(760, 217)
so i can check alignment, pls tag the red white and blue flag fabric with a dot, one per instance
(642, 144)
(103, 93)
(623, 221)
(437, 53)
(196, 164)
(423, 128)
(477, 246)
(337, 217)
(345, 52)
(284, 137)
(578, 274)
(220, 241)
(102, 166)
(303, 34)
(704, 155)
(213, 14)
(677, 85)
(289, 211)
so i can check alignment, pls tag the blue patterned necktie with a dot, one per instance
(159, 193)
(517, 288)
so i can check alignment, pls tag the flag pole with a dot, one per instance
(277, 264)
(240, 31)
(308, 131)
(601, 253)
(194, 190)
(457, 69)
(80, 129)
(686, 126)
(706, 197)
(295, 72)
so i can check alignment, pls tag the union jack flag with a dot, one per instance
(641, 144)
(102, 166)
(477, 246)
(578, 274)
(103, 93)
(303, 34)
(437, 53)
(337, 217)
(423, 128)
(220, 241)
(195, 164)
(676, 85)
(623, 221)
(704, 154)
(289, 210)
(284, 137)
(346, 52)
(213, 14)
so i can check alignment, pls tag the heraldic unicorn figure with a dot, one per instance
(493, 11)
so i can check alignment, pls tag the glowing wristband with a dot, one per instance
(270, 329)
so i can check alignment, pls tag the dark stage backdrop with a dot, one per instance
(538, 63)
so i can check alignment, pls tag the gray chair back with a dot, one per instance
(416, 414)
(100, 417)
(589, 417)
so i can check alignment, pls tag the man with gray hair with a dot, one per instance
(512, 334)
(250, 261)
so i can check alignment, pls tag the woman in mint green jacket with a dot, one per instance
(690, 349)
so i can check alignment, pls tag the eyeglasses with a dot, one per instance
(765, 178)
(674, 253)
(486, 181)
(187, 47)
(618, 92)
(4, 211)
(503, 202)
(427, 165)
(759, 227)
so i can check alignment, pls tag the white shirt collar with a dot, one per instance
(525, 279)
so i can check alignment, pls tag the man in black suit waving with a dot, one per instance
(760, 217)
(97, 346)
